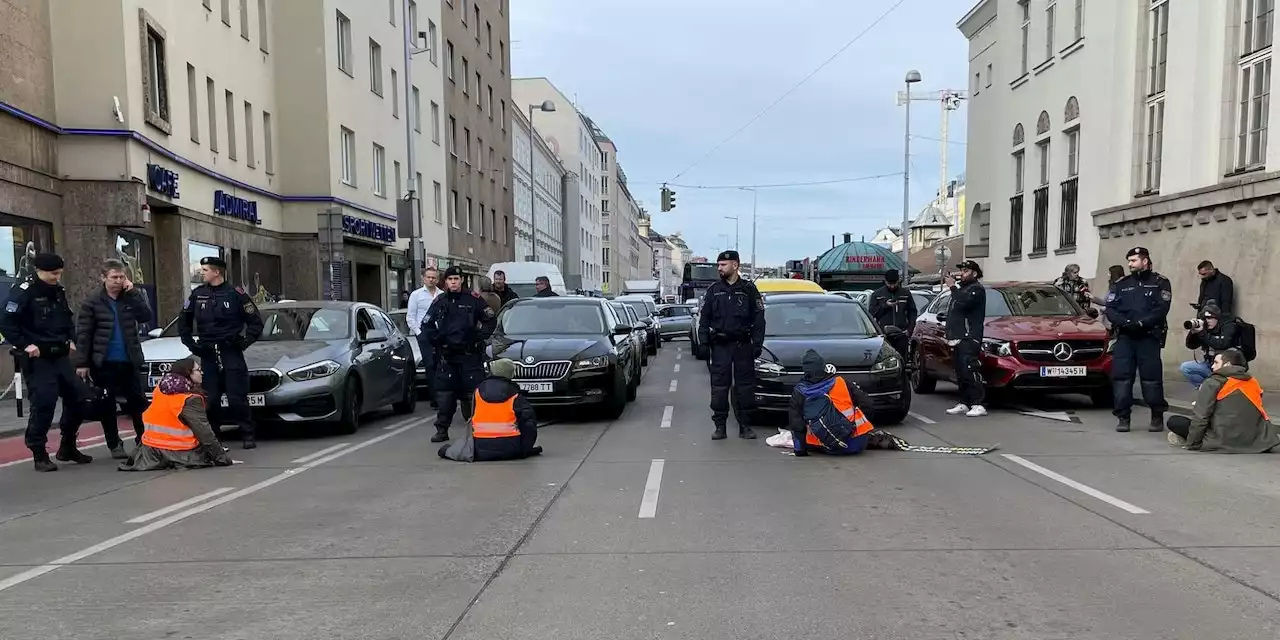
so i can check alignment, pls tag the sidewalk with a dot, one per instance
(11, 424)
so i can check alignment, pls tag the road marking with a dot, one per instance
(666, 412)
(88, 440)
(1060, 416)
(677, 369)
(27, 460)
(672, 388)
(678, 354)
(31, 574)
(319, 453)
(147, 517)
(652, 486)
(921, 418)
(1082, 488)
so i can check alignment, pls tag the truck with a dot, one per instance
(651, 288)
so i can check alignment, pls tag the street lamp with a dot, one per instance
(755, 198)
(735, 230)
(547, 106)
(913, 77)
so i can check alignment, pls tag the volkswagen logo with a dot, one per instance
(831, 368)
(528, 359)
(1062, 352)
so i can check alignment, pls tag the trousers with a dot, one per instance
(968, 368)
(456, 379)
(225, 372)
(732, 364)
(1138, 355)
(50, 378)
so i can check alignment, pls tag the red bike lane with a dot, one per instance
(13, 449)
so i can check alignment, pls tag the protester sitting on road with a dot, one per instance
(178, 434)
(503, 425)
(1228, 416)
(825, 413)
(1213, 334)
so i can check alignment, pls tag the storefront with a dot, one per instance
(357, 259)
(20, 240)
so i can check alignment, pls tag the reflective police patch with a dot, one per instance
(1111, 296)
(1166, 295)
(240, 290)
(24, 285)
(12, 307)
(249, 308)
(488, 312)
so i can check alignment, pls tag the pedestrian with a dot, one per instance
(457, 326)
(1228, 415)
(1217, 288)
(419, 302)
(489, 296)
(504, 425)
(965, 330)
(1213, 334)
(732, 322)
(404, 300)
(38, 322)
(505, 294)
(542, 286)
(894, 309)
(109, 351)
(1138, 309)
(226, 321)
(178, 433)
(1076, 287)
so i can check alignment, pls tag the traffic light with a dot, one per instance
(668, 198)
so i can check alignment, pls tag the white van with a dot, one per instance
(521, 276)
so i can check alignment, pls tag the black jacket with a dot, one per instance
(1221, 290)
(459, 322)
(96, 323)
(1138, 304)
(1212, 341)
(732, 313)
(38, 313)
(219, 315)
(895, 308)
(498, 390)
(545, 293)
(506, 295)
(968, 312)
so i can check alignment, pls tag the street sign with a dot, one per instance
(942, 254)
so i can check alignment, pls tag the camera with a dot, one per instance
(1195, 324)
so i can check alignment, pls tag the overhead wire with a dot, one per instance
(783, 185)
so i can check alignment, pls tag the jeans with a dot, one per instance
(1195, 372)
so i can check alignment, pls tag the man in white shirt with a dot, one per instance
(419, 302)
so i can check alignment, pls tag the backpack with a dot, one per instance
(826, 423)
(1247, 340)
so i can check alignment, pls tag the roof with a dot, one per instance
(859, 257)
(807, 297)
(931, 217)
(778, 285)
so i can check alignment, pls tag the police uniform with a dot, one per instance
(732, 322)
(37, 315)
(1138, 309)
(226, 321)
(456, 327)
(895, 308)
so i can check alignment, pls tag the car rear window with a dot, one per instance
(520, 319)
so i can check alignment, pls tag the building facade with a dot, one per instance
(539, 232)
(477, 96)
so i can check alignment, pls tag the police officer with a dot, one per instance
(1138, 308)
(457, 326)
(38, 322)
(732, 322)
(226, 322)
(893, 306)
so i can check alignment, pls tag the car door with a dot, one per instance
(399, 356)
(625, 344)
(371, 361)
(932, 328)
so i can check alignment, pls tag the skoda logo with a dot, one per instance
(1062, 351)
(831, 368)
(528, 359)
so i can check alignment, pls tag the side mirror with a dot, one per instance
(373, 336)
(1091, 312)
(942, 316)
(155, 333)
(622, 330)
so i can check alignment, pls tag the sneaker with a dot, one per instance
(958, 409)
(1176, 440)
(976, 411)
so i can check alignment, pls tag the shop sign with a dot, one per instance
(225, 204)
(162, 180)
(369, 230)
(866, 262)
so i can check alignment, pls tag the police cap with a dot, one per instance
(47, 261)
(971, 266)
(453, 271)
(214, 261)
(728, 254)
(1141, 252)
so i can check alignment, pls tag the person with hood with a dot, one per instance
(825, 413)
(1228, 417)
(893, 306)
(503, 425)
(178, 434)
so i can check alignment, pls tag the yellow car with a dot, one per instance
(787, 285)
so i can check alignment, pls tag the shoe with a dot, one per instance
(535, 451)
(958, 409)
(1177, 440)
(250, 443)
(42, 462)
(441, 435)
(1157, 423)
(72, 454)
(720, 433)
(976, 411)
(746, 433)
(118, 453)
(1122, 425)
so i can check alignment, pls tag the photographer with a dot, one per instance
(1213, 334)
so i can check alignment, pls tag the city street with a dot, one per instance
(645, 528)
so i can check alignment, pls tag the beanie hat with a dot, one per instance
(502, 368)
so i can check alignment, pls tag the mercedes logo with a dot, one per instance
(831, 368)
(1062, 351)
(528, 359)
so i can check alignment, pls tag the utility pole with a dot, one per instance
(904, 98)
(755, 198)
(415, 203)
(949, 100)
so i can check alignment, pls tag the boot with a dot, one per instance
(1157, 422)
(42, 461)
(250, 442)
(1122, 425)
(69, 453)
(719, 433)
(442, 435)
(746, 433)
(118, 453)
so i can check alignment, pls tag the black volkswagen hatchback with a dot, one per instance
(848, 339)
(569, 350)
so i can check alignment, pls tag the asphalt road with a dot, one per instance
(645, 528)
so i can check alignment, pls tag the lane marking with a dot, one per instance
(1082, 488)
(677, 369)
(678, 354)
(31, 574)
(652, 486)
(322, 452)
(147, 517)
(27, 460)
(1060, 416)
(674, 383)
(667, 411)
(921, 418)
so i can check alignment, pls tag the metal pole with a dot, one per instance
(415, 228)
(754, 268)
(906, 185)
(533, 196)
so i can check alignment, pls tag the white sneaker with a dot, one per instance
(1176, 440)
(977, 410)
(958, 409)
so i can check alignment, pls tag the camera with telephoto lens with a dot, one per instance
(1194, 324)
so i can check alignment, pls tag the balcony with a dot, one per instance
(1015, 228)
(1040, 223)
(1067, 215)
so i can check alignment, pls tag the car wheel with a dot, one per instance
(633, 388)
(644, 358)
(616, 403)
(409, 403)
(920, 381)
(349, 422)
(653, 346)
(1103, 398)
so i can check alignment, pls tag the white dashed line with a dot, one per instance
(678, 355)
(148, 517)
(674, 384)
(309, 458)
(666, 412)
(649, 503)
(1082, 488)
(677, 369)
(922, 418)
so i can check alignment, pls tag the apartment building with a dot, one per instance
(477, 95)
(1096, 127)
(539, 195)
(569, 135)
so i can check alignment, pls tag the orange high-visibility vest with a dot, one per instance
(1251, 390)
(164, 429)
(494, 420)
(840, 397)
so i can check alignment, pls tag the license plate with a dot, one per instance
(255, 400)
(1063, 372)
(537, 387)
(152, 381)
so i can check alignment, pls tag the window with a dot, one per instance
(1158, 54)
(503, 116)
(488, 35)
(391, 11)
(268, 144)
(477, 22)
(481, 219)
(479, 83)
(375, 67)
(193, 111)
(251, 158)
(1019, 162)
(379, 171)
(479, 154)
(493, 224)
(1024, 6)
(344, 43)
(244, 19)
(437, 191)
(435, 122)
(231, 125)
(347, 142)
(417, 110)
(990, 69)
(1043, 150)
(1258, 20)
(157, 80)
(464, 13)
(1154, 147)
(412, 18)
(432, 45)
(448, 62)
(1015, 226)
(453, 209)
(1157, 60)
(494, 166)
(977, 82)
(1073, 152)
(470, 214)
(466, 145)
(262, 26)
(208, 4)
(399, 185)
(1069, 201)
(226, 12)
(466, 76)
(1254, 91)
(502, 57)
(1078, 32)
(211, 92)
(395, 94)
(490, 102)
(1050, 23)
(453, 136)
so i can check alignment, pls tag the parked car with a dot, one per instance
(316, 362)
(570, 351)
(850, 342)
(1036, 339)
(400, 317)
(676, 320)
(648, 312)
(639, 333)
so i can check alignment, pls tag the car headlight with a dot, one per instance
(315, 371)
(769, 368)
(996, 347)
(598, 362)
(891, 363)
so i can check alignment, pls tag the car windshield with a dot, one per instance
(305, 323)
(921, 300)
(816, 318)
(639, 307)
(1030, 300)
(576, 319)
(523, 290)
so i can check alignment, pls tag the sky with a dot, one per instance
(670, 80)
